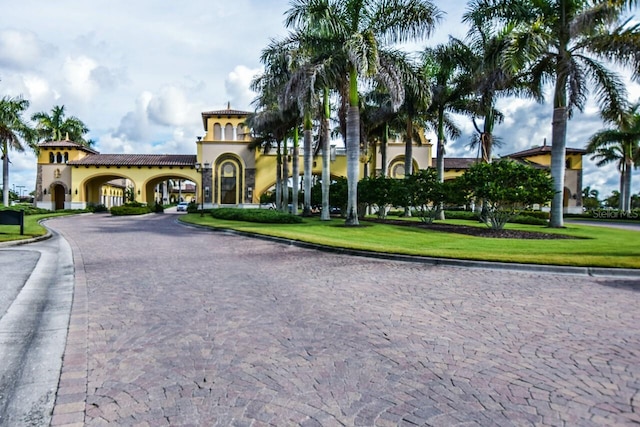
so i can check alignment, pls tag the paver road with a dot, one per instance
(178, 326)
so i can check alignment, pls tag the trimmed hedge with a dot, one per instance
(267, 216)
(31, 210)
(130, 209)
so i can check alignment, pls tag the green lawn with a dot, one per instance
(31, 227)
(595, 246)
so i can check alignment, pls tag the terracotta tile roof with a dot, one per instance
(457, 163)
(227, 112)
(136, 160)
(67, 144)
(543, 149)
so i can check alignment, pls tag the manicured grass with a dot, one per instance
(594, 246)
(31, 227)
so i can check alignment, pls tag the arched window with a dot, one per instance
(241, 132)
(52, 158)
(66, 157)
(397, 170)
(58, 158)
(217, 132)
(228, 132)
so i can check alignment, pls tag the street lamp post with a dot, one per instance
(201, 168)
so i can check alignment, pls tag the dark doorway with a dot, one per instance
(59, 196)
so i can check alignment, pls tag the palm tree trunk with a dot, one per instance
(5, 173)
(408, 158)
(383, 149)
(278, 178)
(353, 163)
(440, 157)
(325, 215)
(353, 149)
(285, 177)
(308, 165)
(295, 172)
(558, 154)
(627, 184)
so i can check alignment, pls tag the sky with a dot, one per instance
(140, 73)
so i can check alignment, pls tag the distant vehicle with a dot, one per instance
(182, 207)
(268, 205)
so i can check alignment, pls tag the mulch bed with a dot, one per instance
(474, 231)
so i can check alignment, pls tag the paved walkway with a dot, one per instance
(178, 326)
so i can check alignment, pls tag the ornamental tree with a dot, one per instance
(507, 187)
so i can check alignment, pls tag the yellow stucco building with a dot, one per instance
(224, 170)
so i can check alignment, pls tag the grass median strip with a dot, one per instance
(32, 227)
(592, 246)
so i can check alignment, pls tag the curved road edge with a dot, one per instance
(449, 262)
(33, 334)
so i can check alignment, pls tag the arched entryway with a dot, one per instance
(229, 174)
(59, 195)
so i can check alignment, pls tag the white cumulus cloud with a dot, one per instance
(20, 49)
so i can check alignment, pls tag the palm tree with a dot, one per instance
(485, 76)
(13, 129)
(356, 32)
(56, 127)
(622, 145)
(565, 42)
(440, 65)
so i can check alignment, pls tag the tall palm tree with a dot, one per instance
(441, 67)
(485, 76)
(56, 127)
(15, 132)
(569, 43)
(620, 144)
(356, 31)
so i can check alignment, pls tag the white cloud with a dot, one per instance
(20, 49)
(77, 76)
(237, 85)
(170, 107)
(38, 89)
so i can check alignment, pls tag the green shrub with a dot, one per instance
(536, 214)
(527, 219)
(97, 208)
(130, 209)
(28, 209)
(470, 215)
(192, 207)
(157, 208)
(268, 216)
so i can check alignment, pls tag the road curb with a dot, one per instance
(448, 262)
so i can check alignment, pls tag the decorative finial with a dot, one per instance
(67, 138)
(228, 105)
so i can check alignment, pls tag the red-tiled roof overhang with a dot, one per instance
(457, 163)
(177, 160)
(544, 149)
(222, 113)
(66, 145)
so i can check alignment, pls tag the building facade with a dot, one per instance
(225, 171)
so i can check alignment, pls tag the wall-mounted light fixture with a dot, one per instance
(76, 191)
(45, 191)
(138, 192)
(69, 191)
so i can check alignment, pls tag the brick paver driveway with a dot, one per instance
(177, 326)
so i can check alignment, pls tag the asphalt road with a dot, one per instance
(172, 325)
